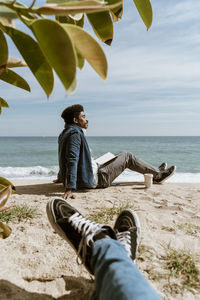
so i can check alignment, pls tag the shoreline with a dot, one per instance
(138, 178)
(38, 264)
(22, 181)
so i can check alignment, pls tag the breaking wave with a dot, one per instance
(35, 172)
(39, 172)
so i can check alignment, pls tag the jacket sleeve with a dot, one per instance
(72, 156)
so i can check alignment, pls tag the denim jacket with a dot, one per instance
(74, 158)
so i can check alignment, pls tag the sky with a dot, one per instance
(152, 87)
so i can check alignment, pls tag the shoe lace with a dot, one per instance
(125, 239)
(88, 230)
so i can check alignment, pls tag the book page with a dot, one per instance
(105, 158)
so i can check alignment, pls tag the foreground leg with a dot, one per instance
(78, 231)
(116, 276)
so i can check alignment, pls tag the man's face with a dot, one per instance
(81, 121)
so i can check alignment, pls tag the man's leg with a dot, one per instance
(96, 246)
(124, 160)
(116, 276)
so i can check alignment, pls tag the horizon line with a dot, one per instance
(44, 136)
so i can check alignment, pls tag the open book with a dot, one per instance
(105, 158)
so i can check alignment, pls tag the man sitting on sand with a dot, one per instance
(79, 170)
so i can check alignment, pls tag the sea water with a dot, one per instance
(37, 157)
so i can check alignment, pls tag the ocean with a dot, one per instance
(37, 158)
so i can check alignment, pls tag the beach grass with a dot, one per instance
(182, 271)
(107, 214)
(179, 269)
(18, 213)
(189, 228)
(144, 251)
(168, 228)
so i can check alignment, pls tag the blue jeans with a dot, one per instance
(116, 276)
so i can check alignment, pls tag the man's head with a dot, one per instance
(74, 114)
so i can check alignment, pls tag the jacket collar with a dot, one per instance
(73, 126)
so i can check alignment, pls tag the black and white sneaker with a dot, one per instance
(79, 232)
(165, 175)
(127, 229)
(162, 167)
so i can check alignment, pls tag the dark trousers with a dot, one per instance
(110, 171)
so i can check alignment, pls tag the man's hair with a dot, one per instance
(71, 112)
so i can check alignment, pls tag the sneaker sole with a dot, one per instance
(161, 182)
(136, 223)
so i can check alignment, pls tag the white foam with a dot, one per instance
(35, 172)
(39, 172)
(177, 177)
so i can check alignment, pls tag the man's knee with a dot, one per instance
(124, 154)
(127, 155)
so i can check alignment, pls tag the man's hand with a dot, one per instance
(68, 194)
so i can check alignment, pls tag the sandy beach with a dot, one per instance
(37, 264)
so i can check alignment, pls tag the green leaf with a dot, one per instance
(6, 182)
(80, 59)
(88, 48)
(3, 49)
(34, 58)
(5, 194)
(72, 87)
(67, 19)
(7, 13)
(145, 10)
(75, 2)
(5, 230)
(102, 25)
(80, 22)
(15, 63)
(116, 12)
(57, 1)
(76, 17)
(2, 187)
(7, 22)
(14, 79)
(75, 7)
(58, 48)
(3, 103)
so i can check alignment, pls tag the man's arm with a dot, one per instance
(72, 158)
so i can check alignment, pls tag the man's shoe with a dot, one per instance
(127, 229)
(79, 232)
(162, 167)
(165, 175)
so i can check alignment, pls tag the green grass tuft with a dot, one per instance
(18, 213)
(189, 228)
(182, 266)
(107, 214)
